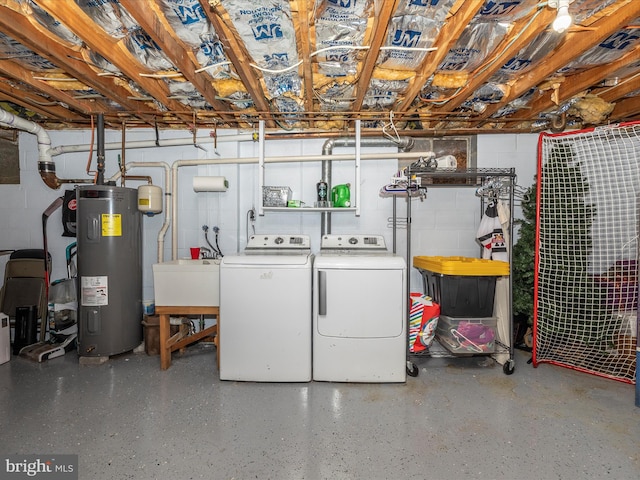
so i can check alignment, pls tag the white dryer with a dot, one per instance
(265, 310)
(359, 311)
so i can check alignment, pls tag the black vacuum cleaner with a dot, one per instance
(63, 307)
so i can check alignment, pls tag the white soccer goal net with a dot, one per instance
(587, 250)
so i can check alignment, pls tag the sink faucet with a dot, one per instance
(205, 252)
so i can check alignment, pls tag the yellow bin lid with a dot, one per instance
(465, 266)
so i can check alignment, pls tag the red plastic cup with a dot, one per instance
(195, 253)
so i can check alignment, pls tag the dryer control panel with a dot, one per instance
(279, 242)
(353, 242)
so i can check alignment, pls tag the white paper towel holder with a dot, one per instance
(210, 184)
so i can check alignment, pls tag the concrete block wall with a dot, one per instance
(444, 224)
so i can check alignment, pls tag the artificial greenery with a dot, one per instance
(565, 245)
(522, 258)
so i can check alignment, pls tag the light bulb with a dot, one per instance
(563, 19)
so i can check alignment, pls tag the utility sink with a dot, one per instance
(186, 282)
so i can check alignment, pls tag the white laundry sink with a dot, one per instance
(186, 282)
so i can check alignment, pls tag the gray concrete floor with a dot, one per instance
(459, 419)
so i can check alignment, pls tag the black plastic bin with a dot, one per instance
(464, 287)
(461, 296)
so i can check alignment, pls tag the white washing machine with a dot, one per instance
(359, 311)
(265, 310)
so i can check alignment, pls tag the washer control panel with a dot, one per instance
(279, 242)
(353, 242)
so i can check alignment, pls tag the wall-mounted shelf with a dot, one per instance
(310, 209)
(355, 186)
(452, 177)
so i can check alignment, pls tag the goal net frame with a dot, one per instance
(586, 252)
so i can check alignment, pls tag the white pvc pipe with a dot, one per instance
(8, 119)
(45, 153)
(305, 158)
(170, 142)
(167, 193)
(278, 159)
(171, 176)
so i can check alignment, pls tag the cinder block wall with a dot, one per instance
(444, 224)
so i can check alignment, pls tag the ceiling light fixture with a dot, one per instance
(563, 19)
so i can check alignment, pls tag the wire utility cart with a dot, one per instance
(489, 183)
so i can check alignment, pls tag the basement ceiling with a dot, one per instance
(439, 66)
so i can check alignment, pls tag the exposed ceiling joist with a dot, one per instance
(581, 82)
(35, 37)
(237, 53)
(317, 65)
(74, 18)
(575, 44)
(629, 107)
(302, 20)
(41, 84)
(379, 35)
(446, 40)
(150, 19)
(525, 31)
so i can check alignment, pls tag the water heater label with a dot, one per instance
(111, 225)
(95, 291)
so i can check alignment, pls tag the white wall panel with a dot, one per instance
(443, 224)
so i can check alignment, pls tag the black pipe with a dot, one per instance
(100, 177)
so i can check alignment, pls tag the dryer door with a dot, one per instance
(355, 303)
